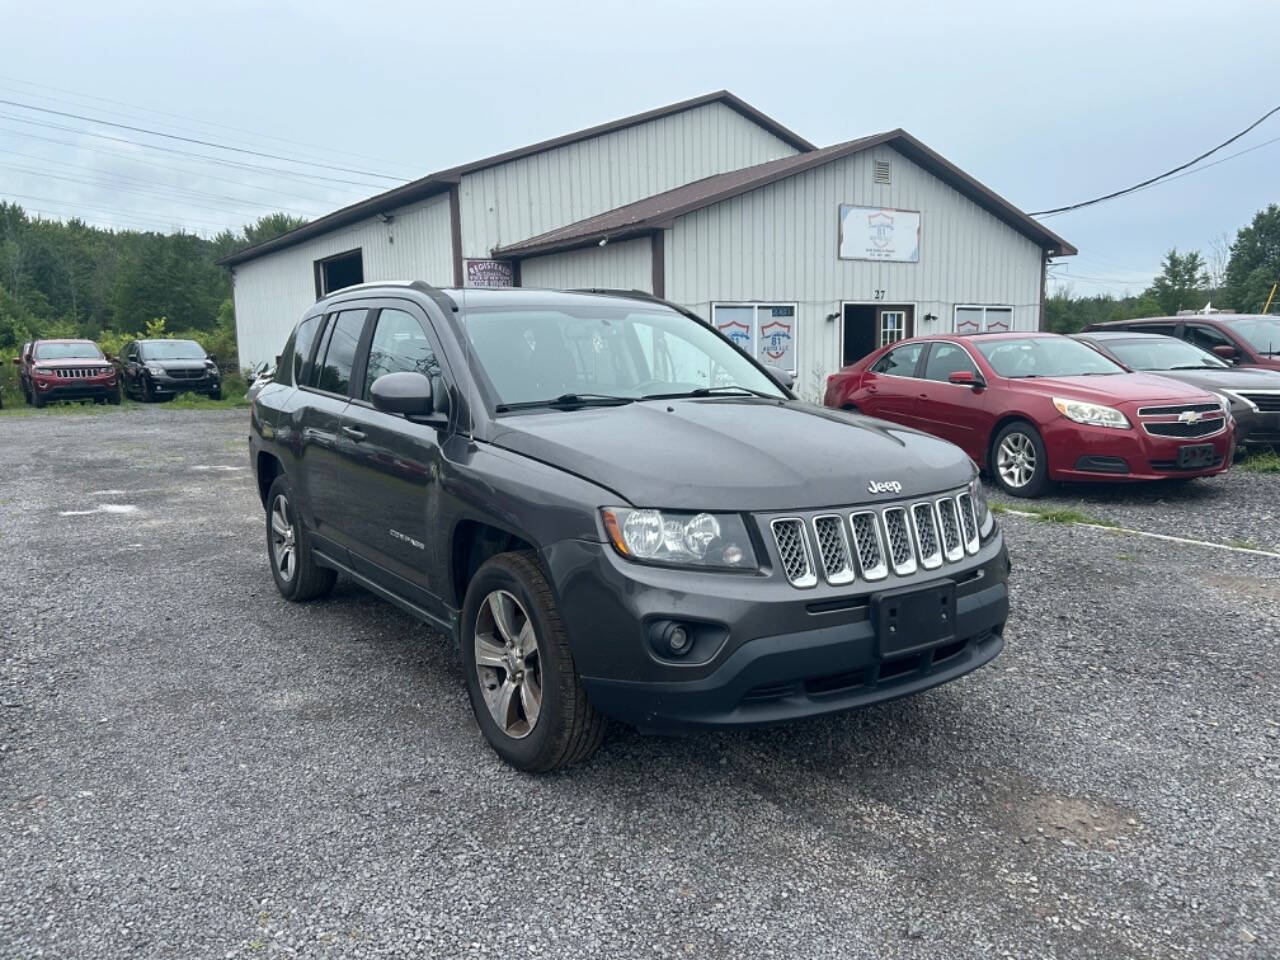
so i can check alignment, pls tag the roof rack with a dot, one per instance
(442, 299)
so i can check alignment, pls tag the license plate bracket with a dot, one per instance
(1195, 455)
(912, 619)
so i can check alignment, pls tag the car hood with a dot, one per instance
(65, 362)
(1222, 379)
(186, 363)
(1117, 388)
(735, 453)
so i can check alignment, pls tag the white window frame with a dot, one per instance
(757, 305)
(984, 307)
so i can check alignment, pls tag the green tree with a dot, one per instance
(271, 226)
(1255, 262)
(1183, 282)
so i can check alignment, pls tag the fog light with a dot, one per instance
(679, 640)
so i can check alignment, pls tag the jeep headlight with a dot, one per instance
(44, 371)
(716, 540)
(1093, 414)
(981, 509)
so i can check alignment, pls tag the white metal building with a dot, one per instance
(811, 258)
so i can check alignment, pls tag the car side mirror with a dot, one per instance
(211, 358)
(966, 378)
(782, 378)
(1226, 351)
(412, 396)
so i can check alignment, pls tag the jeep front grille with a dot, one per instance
(839, 548)
(902, 552)
(866, 538)
(949, 523)
(793, 551)
(80, 373)
(833, 548)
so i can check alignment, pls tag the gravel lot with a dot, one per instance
(190, 767)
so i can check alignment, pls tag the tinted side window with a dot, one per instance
(1166, 329)
(302, 341)
(400, 345)
(946, 359)
(340, 351)
(1206, 338)
(900, 362)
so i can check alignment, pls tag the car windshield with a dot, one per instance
(80, 350)
(1262, 333)
(603, 353)
(172, 350)
(1163, 353)
(1045, 357)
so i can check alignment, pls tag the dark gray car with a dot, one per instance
(1254, 394)
(615, 512)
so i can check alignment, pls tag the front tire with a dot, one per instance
(37, 401)
(297, 575)
(520, 674)
(1019, 461)
(113, 396)
(215, 393)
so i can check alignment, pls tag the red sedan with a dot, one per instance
(1033, 408)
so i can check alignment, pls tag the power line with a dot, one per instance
(205, 175)
(189, 119)
(221, 161)
(1148, 182)
(198, 142)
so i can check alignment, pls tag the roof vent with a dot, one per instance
(882, 171)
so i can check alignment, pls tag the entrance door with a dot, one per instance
(869, 326)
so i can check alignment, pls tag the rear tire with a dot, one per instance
(1019, 461)
(520, 674)
(297, 575)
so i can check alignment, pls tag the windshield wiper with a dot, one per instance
(568, 400)
(1195, 366)
(712, 392)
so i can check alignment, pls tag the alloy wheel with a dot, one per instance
(508, 665)
(284, 546)
(1016, 460)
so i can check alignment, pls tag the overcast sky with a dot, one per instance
(1045, 103)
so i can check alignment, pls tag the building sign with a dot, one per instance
(489, 273)
(879, 233)
(776, 343)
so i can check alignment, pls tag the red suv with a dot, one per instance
(1037, 407)
(1246, 339)
(51, 370)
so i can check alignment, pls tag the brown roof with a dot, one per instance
(442, 180)
(659, 211)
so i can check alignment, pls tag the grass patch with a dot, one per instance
(196, 401)
(1045, 514)
(1243, 544)
(1267, 461)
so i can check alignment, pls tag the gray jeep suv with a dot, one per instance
(617, 513)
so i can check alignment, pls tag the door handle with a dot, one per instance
(354, 433)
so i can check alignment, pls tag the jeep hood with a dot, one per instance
(735, 453)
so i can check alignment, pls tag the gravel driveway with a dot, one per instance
(191, 767)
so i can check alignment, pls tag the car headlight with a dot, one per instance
(981, 508)
(687, 539)
(44, 371)
(1093, 414)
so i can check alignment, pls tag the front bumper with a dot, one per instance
(1260, 427)
(1080, 452)
(783, 653)
(54, 388)
(166, 385)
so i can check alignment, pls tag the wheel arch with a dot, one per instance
(471, 544)
(268, 467)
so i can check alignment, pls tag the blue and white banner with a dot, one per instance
(879, 233)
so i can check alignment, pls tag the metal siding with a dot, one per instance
(272, 292)
(529, 196)
(780, 243)
(618, 266)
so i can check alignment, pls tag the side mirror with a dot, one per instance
(412, 396)
(1226, 352)
(782, 378)
(966, 378)
(211, 358)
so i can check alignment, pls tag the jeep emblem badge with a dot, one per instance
(884, 486)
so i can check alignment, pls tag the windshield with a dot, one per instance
(81, 350)
(172, 350)
(535, 355)
(1262, 333)
(1164, 353)
(1045, 357)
